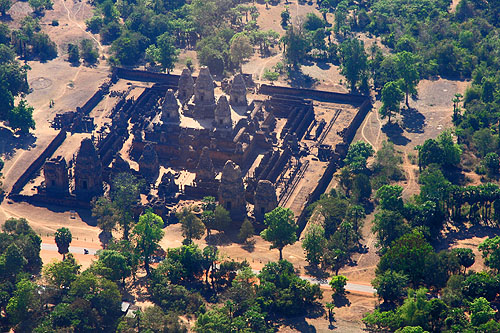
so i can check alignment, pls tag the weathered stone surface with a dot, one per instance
(170, 108)
(55, 172)
(205, 167)
(232, 191)
(223, 113)
(204, 98)
(149, 165)
(265, 199)
(167, 188)
(238, 94)
(120, 165)
(88, 171)
(186, 86)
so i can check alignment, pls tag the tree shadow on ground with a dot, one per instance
(298, 79)
(463, 233)
(413, 120)
(323, 65)
(395, 134)
(317, 272)
(300, 324)
(249, 245)
(340, 301)
(9, 142)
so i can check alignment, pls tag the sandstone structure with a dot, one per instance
(238, 94)
(167, 188)
(88, 171)
(231, 192)
(223, 114)
(265, 199)
(55, 172)
(120, 165)
(186, 86)
(149, 164)
(170, 108)
(205, 167)
(204, 98)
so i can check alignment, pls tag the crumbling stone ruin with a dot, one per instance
(149, 165)
(223, 114)
(205, 168)
(265, 199)
(238, 94)
(88, 171)
(55, 172)
(168, 189)
(186, 86)
(170, 108)
(204, 98)
(211, 141)
(232, 191)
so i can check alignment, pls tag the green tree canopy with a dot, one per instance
(147, 233)
(281, 228)
(63, 238)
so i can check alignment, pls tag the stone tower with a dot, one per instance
(238, 93)
(170, 108)
(232, 191)
(149, 166)
(205, 167)
(55, 172)
(265, 199)
(204, 98)
(88, 171)
(186, 86)
(223, 113)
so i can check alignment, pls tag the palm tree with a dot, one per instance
(63, 238)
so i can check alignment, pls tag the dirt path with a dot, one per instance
(411, 185)
(78, 25)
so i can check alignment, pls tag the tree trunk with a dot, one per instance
(146, 264)
(407, 102)
(281, 253)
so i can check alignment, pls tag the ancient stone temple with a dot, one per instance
(265, 199)
(88, 171)
(204, 98)
(186, 86)
(223, 114)
(167, 188)
(55, 172)
(170, 108)
(238, 94)
(119, 165)
(232, 191)
(149, 166)
(205, 167)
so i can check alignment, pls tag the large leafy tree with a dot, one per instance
(61, 274)
(354, 63)
(192, 227)
(240, 49)
(490, 250)
(314, 244)
(296, 45)
(392, 95)
(412, 256)
(147, 233)
(281, 228)
(406, 64)
(63, 238)
(167, 51)
(390, 286)
(124, 193)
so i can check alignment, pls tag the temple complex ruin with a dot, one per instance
(252, 148)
